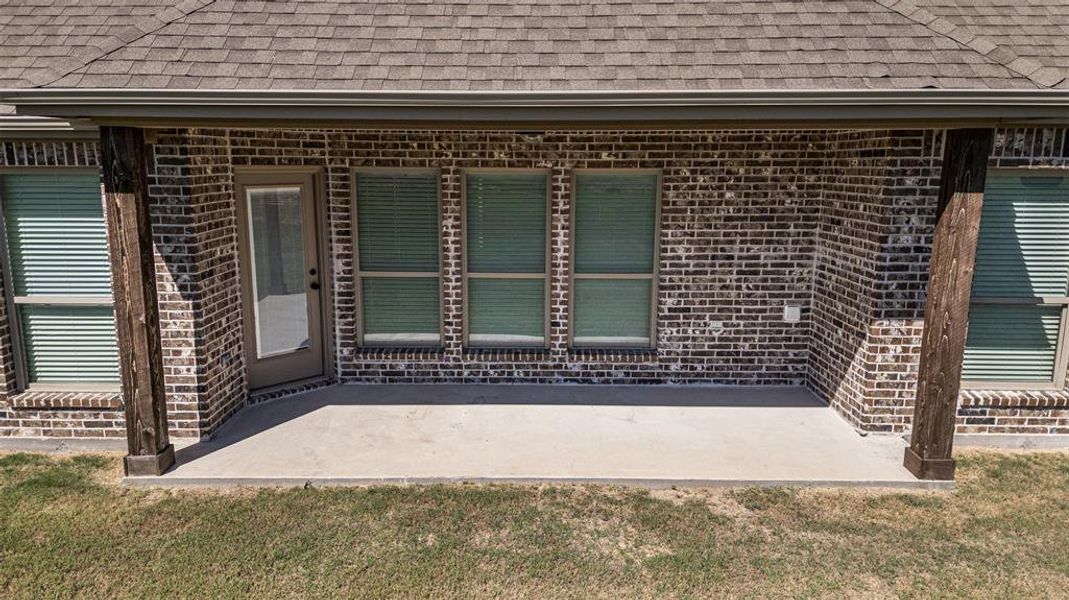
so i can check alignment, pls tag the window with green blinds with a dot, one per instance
(1020, 282)
(398, 271)
(506, 261)
(614, 255)
(60, 279)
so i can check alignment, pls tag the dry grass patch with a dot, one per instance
(67, 530)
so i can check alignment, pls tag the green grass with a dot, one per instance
(67, 529)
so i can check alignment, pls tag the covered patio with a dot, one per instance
(516, 196)
(619, 435)
(838, 258)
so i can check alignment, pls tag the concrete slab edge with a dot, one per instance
(653, 483)
(62, 445)
(66, 445)
(1012, 441)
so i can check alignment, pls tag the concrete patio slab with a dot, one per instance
(627, 435)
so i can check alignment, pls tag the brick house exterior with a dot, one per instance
(804, 191)
(838, 222)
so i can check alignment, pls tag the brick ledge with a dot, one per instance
(1015, 399)
(66, 400)
(616, 355)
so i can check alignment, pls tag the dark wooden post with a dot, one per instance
(137, 319)
(946, 311)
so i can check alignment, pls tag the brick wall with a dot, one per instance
(872, 260)
(837, 222)
(738, 214)
(195, 229)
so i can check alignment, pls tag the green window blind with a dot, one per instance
(1020, 280)
(506, 223)
(615, 225)
(612, 311)
(57, 251)
(57, 242)
(1011, 343)
(506, 258)
(401, 309)
(398, 221)
(69, 343)
(507, 311)
(1024, 245)
(398, 242)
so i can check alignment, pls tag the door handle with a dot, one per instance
(314, 285)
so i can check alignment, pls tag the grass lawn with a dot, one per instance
(67, 529)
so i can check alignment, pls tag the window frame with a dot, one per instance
(466, 276)
(13, 302)
(359, 275)
(653, 276)
(1061, 350)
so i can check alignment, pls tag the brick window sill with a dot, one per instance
(400, 353)
(66, 400)
(632, 355)
(507, 354)
(1015, 398)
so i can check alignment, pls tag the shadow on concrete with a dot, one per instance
(256, 419)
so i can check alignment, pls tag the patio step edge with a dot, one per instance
(173, 481)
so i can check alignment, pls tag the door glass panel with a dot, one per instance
(278, 262)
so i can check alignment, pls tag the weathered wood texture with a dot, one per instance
(946, 311)
(137, 322)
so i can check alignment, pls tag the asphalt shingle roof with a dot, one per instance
(533, 44)
(47, 38)
(1033, 30)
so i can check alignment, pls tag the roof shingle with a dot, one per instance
(534, 44)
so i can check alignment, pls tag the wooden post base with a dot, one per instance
(150, 464)
(941, 469)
